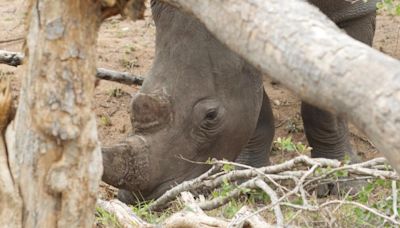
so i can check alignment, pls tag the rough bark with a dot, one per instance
(297, 45)
(54, 154)
(10, 200)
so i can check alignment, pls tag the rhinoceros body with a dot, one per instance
(201, 100)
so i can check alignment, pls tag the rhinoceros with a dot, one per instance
(202, 100)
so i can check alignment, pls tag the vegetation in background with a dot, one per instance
(390, 6)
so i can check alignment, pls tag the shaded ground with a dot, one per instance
(129, 46)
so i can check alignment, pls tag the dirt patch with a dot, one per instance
(128, 46)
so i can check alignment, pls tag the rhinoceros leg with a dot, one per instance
(326, 133)
(256, 152)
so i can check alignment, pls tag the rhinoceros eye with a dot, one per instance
(211, 114)
(208, 114)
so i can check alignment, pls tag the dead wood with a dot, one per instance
(210, 181)
(11, 58)
(300, 172)
(16, 59)
(124, 214)
(53, 152)
(120, 77)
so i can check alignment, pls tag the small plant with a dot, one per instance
(234, 205)
(142, 210)
(128, 64)
(116, 92)
(286, 144)
(373, 194)
(121, 34)
(257, 196)
(231, 209)
(106, 219)
(105, 120)
(389, 6)
(129, 49)
(224, 190)
(294, 126)
(228, 167)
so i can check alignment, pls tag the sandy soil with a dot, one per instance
(124, 45)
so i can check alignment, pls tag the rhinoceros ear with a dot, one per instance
(150, 112)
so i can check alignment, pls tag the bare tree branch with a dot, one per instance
(274, 200)
(11, 58)
(121, 77)
(16, 59)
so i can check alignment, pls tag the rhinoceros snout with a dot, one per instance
(150, 112)
(126, 165)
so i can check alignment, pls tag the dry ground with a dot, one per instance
(124, 45)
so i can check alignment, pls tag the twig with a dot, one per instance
(295, 190)
(210, 182)
(372, 210)
(222, 200)
(11, 40)
(255, 170)
(192, 216)
(360, 168)
(246, 174)
(254, 221)
(185, 186)
(273, 174)
(16, 59)
(121, 77)
(274, 200)
(394, 199)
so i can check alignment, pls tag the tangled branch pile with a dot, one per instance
(299, 177)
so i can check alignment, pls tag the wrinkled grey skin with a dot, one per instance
(201, 100)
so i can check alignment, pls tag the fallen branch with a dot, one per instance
(302, 171)
(123, 214)
(251, 221)
(12, 40)
(344, 202)
(171, 194)
(11, 58)
(16, 59)
(394, 200)
(222, 200)
(193, 216)
(121, 77)
(274, 201)
(209, 180)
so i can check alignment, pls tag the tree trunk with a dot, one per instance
(54, 153)
(10, 200)
(300, 47)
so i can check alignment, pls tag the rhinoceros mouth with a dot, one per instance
(161, 188)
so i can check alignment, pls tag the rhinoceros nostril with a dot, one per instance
(150, 112)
